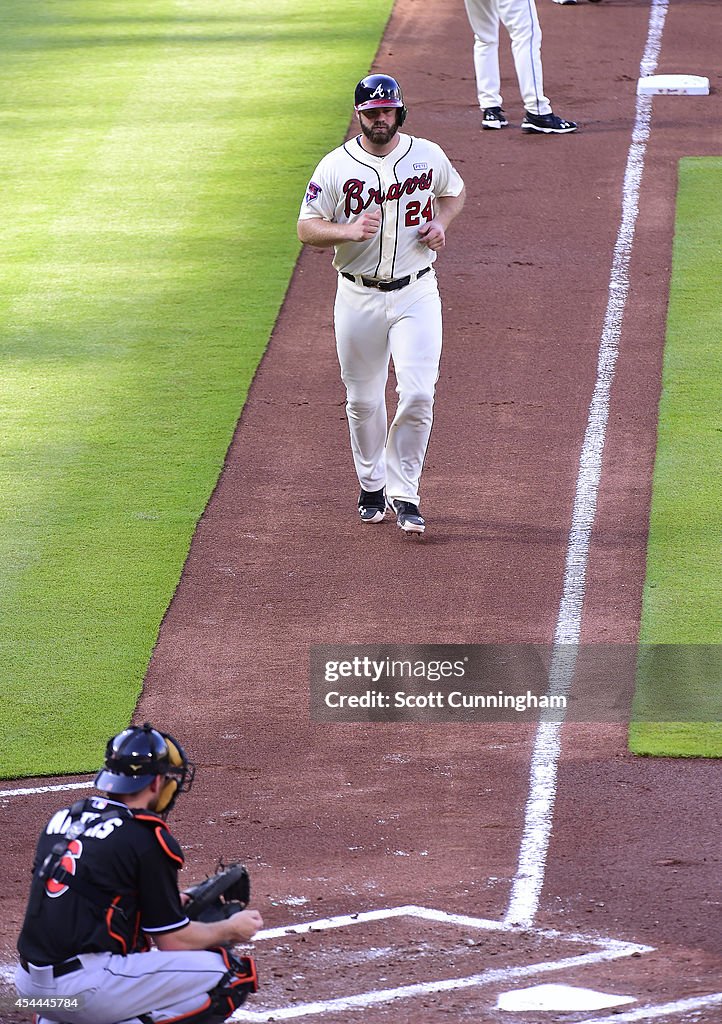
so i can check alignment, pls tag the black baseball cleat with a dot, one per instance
(408, 517)
(372, 505)
(547, 124)
(493, 117)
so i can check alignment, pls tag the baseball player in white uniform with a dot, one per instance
(520, 19)
(384, 201)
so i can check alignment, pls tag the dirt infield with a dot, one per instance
(345, 819)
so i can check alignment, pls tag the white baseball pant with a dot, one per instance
(521, 20)
(371, 327)
(113, 989)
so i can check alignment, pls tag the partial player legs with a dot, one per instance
(363, 353)
(366, 414)
(522, 23)
(115, 988)
(415, 338)
(370, 327)
(484, 20)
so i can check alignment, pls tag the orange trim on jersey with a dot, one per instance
(108, 924)
(161, 839)
(136, 933)
(161, 826)
(149, 816)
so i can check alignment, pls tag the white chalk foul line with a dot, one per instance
(34, 790)
(497, 976)
(662, 1010)
(539, 811)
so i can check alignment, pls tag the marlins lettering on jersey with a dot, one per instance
(61, 822)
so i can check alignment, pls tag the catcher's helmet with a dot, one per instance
(380, 91)
(136, 755)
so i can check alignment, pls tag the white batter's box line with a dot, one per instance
(611, 949)
(443, 917)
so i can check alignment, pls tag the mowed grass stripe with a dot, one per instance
(681, 603)
(154, 162)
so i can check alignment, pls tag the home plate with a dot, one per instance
(673, 85)
(558, 997)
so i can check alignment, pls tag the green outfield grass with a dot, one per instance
(681, 603)
(154, 158)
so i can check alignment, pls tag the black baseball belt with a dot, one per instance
(386, 286)
(59, 970)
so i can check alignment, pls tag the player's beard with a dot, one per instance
(379, 134)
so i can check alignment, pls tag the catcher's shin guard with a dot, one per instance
(236, 985)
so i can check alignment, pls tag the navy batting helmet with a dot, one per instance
(136, 755)
(380, 91)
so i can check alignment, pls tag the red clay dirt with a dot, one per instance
(341, 819)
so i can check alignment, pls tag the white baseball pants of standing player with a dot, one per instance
(522, 22)
(371, 327)
(113, 989)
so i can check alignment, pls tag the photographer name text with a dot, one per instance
(436, 699)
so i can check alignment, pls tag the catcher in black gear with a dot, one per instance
(105, 887)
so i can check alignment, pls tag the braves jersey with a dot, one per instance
(404, 184)
(126, 866)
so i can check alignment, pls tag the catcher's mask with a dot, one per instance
(136, 755)
(380, 91)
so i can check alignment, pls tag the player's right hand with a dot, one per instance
(365, 226)
(245, 924)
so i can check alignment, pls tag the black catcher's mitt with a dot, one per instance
(219, 896)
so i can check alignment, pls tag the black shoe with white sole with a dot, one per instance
(372, 505)
(408, 517)
(547, 124)
(493, 117)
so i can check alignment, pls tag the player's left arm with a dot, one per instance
(240, 927)
(446, 208)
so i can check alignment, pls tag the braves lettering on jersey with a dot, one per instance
(403, 184)
(127, 862)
